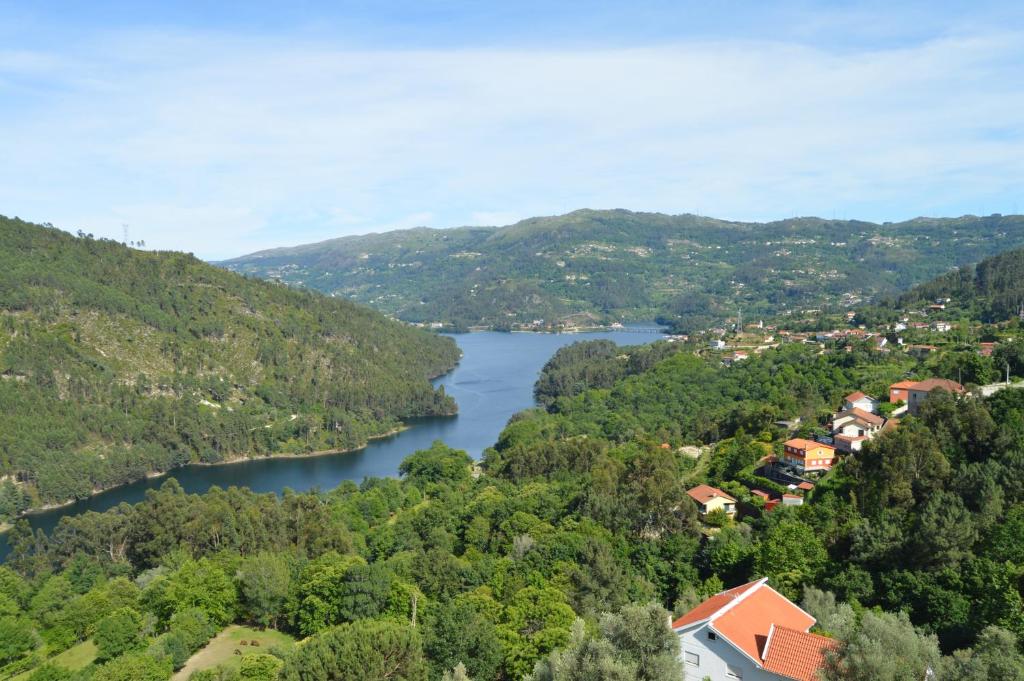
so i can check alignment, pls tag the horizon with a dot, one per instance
(229, 130)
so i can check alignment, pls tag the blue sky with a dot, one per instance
(223, 128)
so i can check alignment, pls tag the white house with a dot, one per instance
(859, 400)
(850, 429)
(753, 633)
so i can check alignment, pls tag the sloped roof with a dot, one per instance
(902, 385)
(747, 624)
(933, 383)
(801, 443)
(702, 494)
(865, 416)
(714, 604)
(853, 397)
(796, 654)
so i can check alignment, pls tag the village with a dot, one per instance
(752, 631)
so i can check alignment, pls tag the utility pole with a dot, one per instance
(124, 227)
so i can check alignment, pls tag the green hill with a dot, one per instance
(688, 270)
(989, 291)
(116, 362)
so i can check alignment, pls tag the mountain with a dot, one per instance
(600, 266)
(116, 363)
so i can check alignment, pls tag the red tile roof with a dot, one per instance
(806, 485)
(853, 397)
(796, 654)
(902, 385)
(702, 494)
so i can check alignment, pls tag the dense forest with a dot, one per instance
(598, 266)
(561, 558)
(116, 362)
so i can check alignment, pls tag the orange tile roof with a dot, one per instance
(705, 493)
(747, 624)
(902, 385)
(933, 383)
(713, 605)
(801, 443)
(796, 654)
(853, 397)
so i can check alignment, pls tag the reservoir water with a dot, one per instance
(493, 381)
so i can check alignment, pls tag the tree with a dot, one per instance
(641, 634)
(456, 674)
(117, 633)
(50, 672)
(459, 632)
(537, 621)
(995, 657)
(259, 667)
(264, 581)
(634, 645)
(134, 667)
(793, 555)
(17, 637)
(884, 647)
(201, 584)
(438, 464)
(584, 658)
(366, 649)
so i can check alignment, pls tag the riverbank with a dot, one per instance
(150, 475)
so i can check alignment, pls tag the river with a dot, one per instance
(493, 381)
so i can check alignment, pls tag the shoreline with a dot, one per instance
(150, 475)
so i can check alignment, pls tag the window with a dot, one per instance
(712, 636)
(733, 672)
(692, 659)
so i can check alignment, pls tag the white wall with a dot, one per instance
(715, 658)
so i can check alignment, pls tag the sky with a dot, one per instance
(229, 127)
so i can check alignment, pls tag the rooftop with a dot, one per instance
(705, 493)
(796, 654)
(801, 443)
(931, 384)
(751, 616)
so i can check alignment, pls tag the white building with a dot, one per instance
(859, 400)
(752, 633)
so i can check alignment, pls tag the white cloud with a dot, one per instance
(221, 145)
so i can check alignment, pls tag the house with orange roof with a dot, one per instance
(898, 391)
(750, 632)
(919, 392)
(710, 499)
(808, 456)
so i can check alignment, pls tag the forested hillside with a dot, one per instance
(600, 266)
(558, 561)
(116, 362)
(989, 291)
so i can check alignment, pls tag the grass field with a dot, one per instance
(221, 650)
(74, 658)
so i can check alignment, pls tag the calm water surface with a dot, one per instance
(493, 381)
